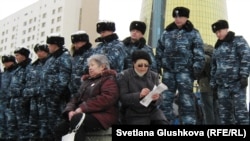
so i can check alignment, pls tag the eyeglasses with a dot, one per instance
(141, 65)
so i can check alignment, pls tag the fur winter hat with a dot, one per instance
(138, 25)
(79, 36)
(8, 58)
(23, 51)
(42, 47)
(55, 38)
(180, 12)
(105, 26)
(220, 24)
(140, 54)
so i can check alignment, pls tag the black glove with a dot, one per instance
(215, 92)
(28, 92)
(196, 76)
(25, 103)
(243, 82)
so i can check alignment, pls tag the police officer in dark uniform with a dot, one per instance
(18, 112)
(81, 49)
(32, 89)
(110, 45)
(180, 54)
(55, 79)
(136, 41)
(229, 74)
(9, 63)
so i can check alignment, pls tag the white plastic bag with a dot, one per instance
(69, 137)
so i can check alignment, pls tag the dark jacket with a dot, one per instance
(79, 66)
(205, 74)
(130, 85)
(230, 61)
(180, 50)
(5, 81)
(113, 48)
(98, 96)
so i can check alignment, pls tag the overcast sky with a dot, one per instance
(238, 17)
(122, 12)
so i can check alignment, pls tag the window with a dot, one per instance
(25, 23)
(43, 24)
(30, 21)
(24, 32)
(53, 11)
(44, 15)
(59, 9)
(52, 21)
(59, 19)
(29, 30)
(58, 29)
(42, 34)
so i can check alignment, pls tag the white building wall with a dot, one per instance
(34, 23)
(70, 19)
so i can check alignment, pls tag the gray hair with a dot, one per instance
(100, 59)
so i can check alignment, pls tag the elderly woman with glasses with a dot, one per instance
(135, 83)
(97, 98)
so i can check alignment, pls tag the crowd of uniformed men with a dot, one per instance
(34, 92)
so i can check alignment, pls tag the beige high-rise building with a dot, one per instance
(33, 24)
(203, 13)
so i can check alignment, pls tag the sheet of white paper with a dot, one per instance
(157, 89)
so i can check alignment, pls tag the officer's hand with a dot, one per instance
(27, 92)
(25, 103)
(196, 76)
(243, 82)
(215, 92)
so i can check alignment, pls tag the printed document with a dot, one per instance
(156, 90)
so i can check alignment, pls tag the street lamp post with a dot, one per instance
(157, 21)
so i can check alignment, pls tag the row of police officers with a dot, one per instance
(34, 93)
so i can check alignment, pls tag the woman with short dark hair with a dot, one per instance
(135, 83)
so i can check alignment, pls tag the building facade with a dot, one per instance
(203, 13)
(34, 23)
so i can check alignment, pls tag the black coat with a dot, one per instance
(130, 85)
